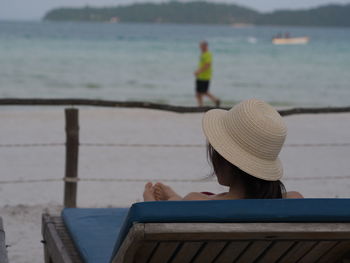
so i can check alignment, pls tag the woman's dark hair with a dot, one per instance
(254, 188)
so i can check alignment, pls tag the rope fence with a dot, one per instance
(73, 143)
(139, 145)
(153, 145)
(125, 180)
(136, 180)
(24, 145)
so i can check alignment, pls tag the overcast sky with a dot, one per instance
(35, 9)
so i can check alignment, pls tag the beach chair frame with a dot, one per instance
(58, 245)
(3, 250)
(213, 242)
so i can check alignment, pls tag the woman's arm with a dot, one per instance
(196, 196)
(164, 192)
(294, 194)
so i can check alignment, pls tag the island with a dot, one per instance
(199, 12)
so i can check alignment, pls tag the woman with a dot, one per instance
(243, 148)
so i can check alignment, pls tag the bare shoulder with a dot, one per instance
(294, 194)
(196, 196)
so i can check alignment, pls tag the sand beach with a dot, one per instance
(121, 149)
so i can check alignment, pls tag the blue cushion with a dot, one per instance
(262, 210)
(94, 231)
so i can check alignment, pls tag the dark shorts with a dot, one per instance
(202, 86)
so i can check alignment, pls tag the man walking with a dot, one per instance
(203, 75)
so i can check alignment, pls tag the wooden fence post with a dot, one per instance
(72, 150)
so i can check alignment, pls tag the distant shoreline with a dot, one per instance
(167, 24)
(206, 13)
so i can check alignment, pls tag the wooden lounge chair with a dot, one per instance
(3, 252)
(303, 230)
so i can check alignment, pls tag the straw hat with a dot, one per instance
(250, 136)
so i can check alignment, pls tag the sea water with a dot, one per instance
(155, 62)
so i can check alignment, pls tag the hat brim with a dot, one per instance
(217, 135)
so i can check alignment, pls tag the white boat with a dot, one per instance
(290, 40)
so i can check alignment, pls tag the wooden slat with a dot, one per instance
(254, 250)
(232, 251)
(297, 251)
(132, 242)
(209, 252)
(317, 251)
(336, 253)
(275, 251)
(246, 231)
(187, 251)
(164, 252)
(145, 251)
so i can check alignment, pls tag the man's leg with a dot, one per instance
(199, 97)
(213, 99)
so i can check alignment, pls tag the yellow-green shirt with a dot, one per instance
(205, 58)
